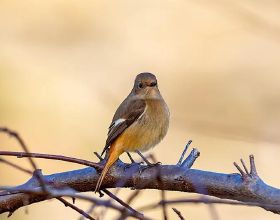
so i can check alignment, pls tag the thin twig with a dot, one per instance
(15, 166)
(122, 202)
(25, 148)
(90, 210)
(208, 201)
(68, 204)
(98, 156)
(69, 193)
(253, 166)
(20, 141)
(129, 201)
(130, 157)
(239, 169)
(52, 157)
(37, 174)
(184, 152)
(60, 199)
(178, 213)
(244, 166)
(213, 212)
(133, 196)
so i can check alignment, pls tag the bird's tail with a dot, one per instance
(113, 156)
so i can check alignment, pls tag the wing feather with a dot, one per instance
(127, 113)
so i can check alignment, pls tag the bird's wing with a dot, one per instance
(127, 113)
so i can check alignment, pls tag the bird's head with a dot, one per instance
(146, 87)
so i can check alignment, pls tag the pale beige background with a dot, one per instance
(66, 65)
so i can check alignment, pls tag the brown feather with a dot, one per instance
(130, 110)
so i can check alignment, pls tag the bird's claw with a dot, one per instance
(150, 165)
(127, 166)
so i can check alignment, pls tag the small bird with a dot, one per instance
(140, 122)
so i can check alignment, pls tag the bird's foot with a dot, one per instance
(149, 165)
(127, 166)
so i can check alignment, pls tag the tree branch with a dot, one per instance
(247, 188)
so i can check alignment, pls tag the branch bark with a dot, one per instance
(245, 187)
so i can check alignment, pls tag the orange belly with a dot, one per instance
(146, 132)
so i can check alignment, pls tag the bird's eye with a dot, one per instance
(140, 85)
(153, 84)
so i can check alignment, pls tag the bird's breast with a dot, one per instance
(149, 129)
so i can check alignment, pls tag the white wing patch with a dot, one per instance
(118, 121)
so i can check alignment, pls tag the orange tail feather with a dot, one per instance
(113, 156)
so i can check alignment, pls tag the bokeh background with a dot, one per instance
(66, 65)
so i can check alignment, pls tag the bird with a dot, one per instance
(140, 122)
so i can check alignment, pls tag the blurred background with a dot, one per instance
(66, 65)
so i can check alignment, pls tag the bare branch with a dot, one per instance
(230, 186)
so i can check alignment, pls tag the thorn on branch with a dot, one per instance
(189, 161)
